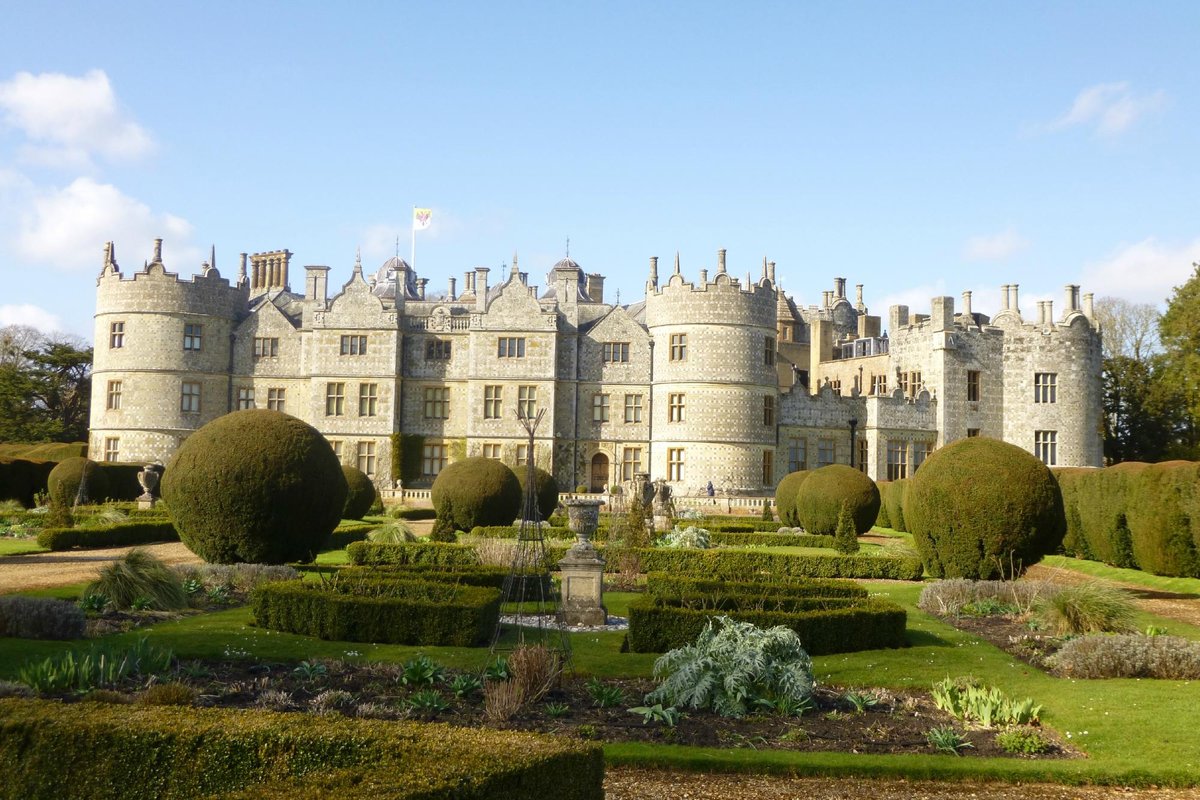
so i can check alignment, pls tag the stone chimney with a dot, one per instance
(771, 271)
(1049, 312)
(157, 252)
(269, 271)
(653, 280)
(703, 277)
(720, 261)
(826, 298)
(453, 286)
(316, 284)
(1089, 307)
(481, 287)
(942, 315)
(1004, 297)
(594, 287)
(966, 304)
(839, 288)
(897, 318)
(421, 283)
(1014, 303)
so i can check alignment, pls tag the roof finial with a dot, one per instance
(568, 248)
(676, 262)
(358, 261)
(515, 269)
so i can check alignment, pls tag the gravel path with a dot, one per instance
(44, 570)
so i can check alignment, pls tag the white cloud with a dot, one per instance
(66, 228)
(1111, 107)
(31, 315)
(1145, 272)
(994, 247)
(68, 119)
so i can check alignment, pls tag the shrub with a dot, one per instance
(360, 493)
(412, 514)
(139, 576)
(535, 669)
(1023, 742)
(982, 508)
(691, 536)
(1164, 518)
(767, 514)
(22, 478)
(731, 666)
(1091, 607)
(545, 491)
(411, 612)
(949, 597)
(745, 564)
(40, 618)
(432, 553)
(666, 584)
(122, 534)
(393, 533)
(758, 539)
(845, 539)
(50, 751)
(785, 497)
(891, 495)
(168, 694)
(76, 480)
(1128, 656)
(1100, 507)
(476, 491)
(257, 486)
(820, 498)
(882, 520)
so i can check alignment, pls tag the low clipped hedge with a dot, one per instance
(479, 575)
(397, 611)
(665, 584)
(95, 751)
(735, 525)
(824, 625)
(742, 564)
(512, 531)
(123, 534)
(370, 554)
(769, 539)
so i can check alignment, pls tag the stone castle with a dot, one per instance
(721, 379)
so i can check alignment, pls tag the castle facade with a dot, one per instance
(722, 379)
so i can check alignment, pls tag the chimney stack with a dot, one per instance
(452, 287)
(839, 288)
(1088, 308)
(771, 271)
(721, 260)
(966, 304)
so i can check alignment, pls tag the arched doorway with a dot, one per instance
(599, 472)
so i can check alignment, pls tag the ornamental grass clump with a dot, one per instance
(392, 533)
(1092, 607)
(734, 667)
(139, 579)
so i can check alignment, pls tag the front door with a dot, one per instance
(599, 472)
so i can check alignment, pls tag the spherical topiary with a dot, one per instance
(819, 499)
(257, 486)
(785, 497)
(476, 491)
(64, 482)
(360, 494)
(545, 489)
(981, 508)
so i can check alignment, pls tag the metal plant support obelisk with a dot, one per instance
(528, 588)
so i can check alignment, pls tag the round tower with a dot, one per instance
(714, 390)
(161, 363)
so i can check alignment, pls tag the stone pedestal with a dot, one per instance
(582, 568)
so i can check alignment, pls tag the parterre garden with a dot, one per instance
(317, 652)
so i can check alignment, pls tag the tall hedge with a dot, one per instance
(257, 486)
(360, 493)
(22, 478)
(77, 479)
(1103, 502)
(891, 494)
(981, 508)
(1070, 483)
(1164, 518)
(821, 496)
(882, 519)
(785, 497)
(476, 491)
(545, 490)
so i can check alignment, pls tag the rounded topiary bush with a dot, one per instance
(360, 493)
(257, 486)
(64, 482)
(545, 489)
(819, 499)
(981, 508)
(785, 497)
(476, 491)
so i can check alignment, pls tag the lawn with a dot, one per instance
(19, 547)
(1136, 732)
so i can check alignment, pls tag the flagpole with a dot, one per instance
(412, 257)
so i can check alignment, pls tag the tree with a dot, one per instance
(1130, 329)
(1177, 381)
(45, 391)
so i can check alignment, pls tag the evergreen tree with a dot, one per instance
(845, 538)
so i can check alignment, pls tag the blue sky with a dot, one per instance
(919, 149)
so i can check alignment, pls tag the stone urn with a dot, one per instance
(582, 568)
(149, 477)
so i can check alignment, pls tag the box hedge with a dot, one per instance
(478, 575)
(666, 584)
(735, 524)
(367, 554)
(22, 478)
(411, 612)
(762, 539)
(742, 564)
(123, 534)
(414, 514)
(94, 751)
(512, 531)
(824, 625)
(785, 497)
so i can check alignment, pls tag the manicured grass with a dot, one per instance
(19, 547)
(1186, 586)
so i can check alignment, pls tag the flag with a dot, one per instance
(421, 218)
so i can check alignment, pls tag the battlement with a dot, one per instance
(153, 287)
(721, 299)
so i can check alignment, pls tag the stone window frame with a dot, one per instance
(433, 460)
(193, 337)
(368, 400)
(491, 450)
(797, 453)
(522, 456)
(615, 352)
(436, 402)
(768, 409)
(527, 401)
(768, 468)
(113, 395)
(335, 398)
(633, 409)
(600, 407)
(116, 335)
(862, 457)
(631, 462)
(364, 453)
(897, 459)
(769, 347)
(438, 349)
(245, 398)
(112, 448)
(879, 384)
(826, 445)
(1045, 447)
(493, 401)
(675, 463)
(266, 347)
(974, 384)
(915, 381)
(276, 398)
(1045, 387)
(353, 344)
(510, 347)
(836, 385)
(678, 347)
(676, 406)
(190, 394)
(336, 444)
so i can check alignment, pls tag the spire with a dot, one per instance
(676, 262)
(357, 262)
(515, 269)
(212, 256)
